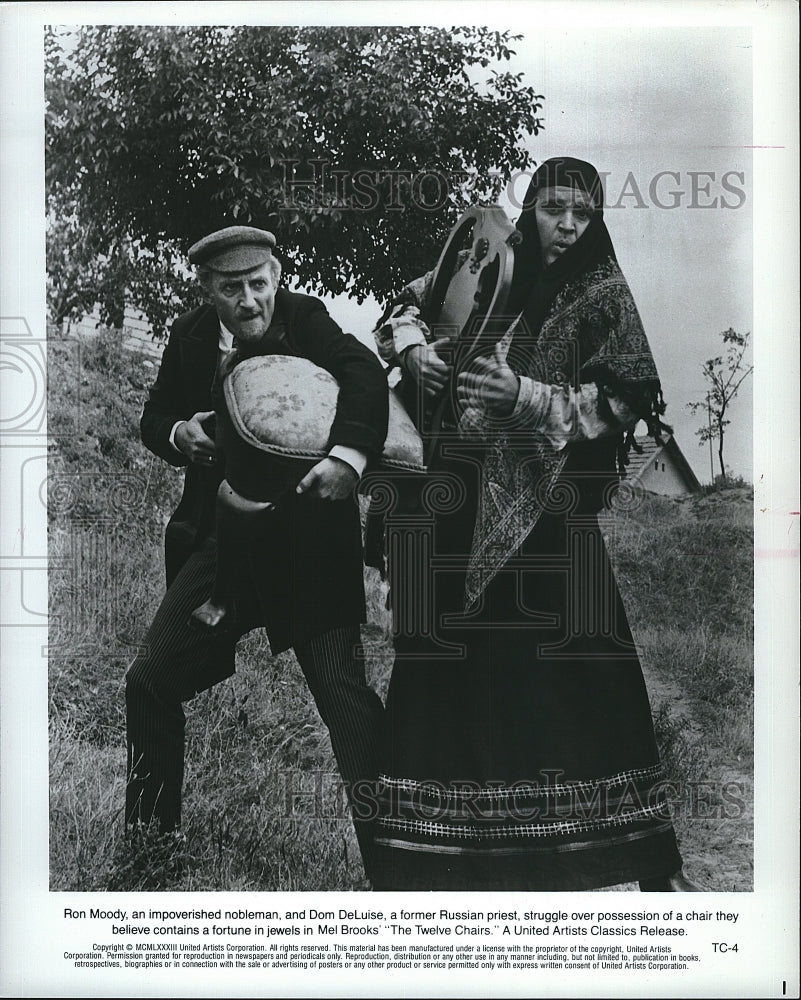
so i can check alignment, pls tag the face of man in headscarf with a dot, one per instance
(562, 214)
(244, 303)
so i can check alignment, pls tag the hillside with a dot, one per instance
(263, 805)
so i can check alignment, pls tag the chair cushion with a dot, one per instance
(285, 405)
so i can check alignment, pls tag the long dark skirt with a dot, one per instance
(520, 751)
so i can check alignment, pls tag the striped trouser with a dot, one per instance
(177, 662)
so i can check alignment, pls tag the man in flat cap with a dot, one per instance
(303, 579)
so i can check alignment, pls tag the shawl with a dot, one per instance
(573, 322)
(577, 323)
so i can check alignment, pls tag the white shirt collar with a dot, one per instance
(226, 340)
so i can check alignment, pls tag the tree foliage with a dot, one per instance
(72, 272)
(156, 136)
(724, 376)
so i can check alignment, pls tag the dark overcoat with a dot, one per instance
(304, 574)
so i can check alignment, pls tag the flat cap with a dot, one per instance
(233, 250)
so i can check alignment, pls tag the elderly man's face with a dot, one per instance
(244, 303)
(562, 214)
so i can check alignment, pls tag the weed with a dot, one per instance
(263, 807)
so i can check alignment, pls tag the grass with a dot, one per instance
(685, 569)
(263, 806)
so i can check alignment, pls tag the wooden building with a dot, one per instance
(662, 468)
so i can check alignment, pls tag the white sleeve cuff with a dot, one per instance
(533, 403)
(356, 459)
(408, 336)
(176, 425)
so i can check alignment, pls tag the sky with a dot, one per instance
(637, 102)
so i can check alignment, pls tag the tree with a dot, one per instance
(72, 278)
(724, 376)
(357, 146)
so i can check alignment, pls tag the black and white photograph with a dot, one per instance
(399, 452)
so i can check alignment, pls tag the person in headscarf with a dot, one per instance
(520, 750)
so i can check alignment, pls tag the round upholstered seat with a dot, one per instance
(277, 420)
